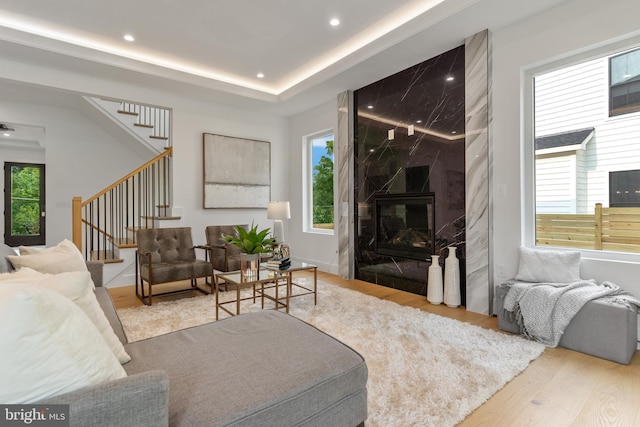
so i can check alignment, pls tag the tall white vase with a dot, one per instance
(452, 279)
(434, 281)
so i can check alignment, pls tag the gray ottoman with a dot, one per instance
(601, 329)
(257, 369)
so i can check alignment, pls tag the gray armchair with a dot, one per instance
(167, 255)
(224, 257)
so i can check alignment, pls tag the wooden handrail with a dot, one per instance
(99, 230)
(113, 208)
(168, 151)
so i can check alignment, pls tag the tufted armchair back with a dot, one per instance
(225, 257)
(168, 255)
(166, 245)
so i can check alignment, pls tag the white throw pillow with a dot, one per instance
(61, 258)
(542, 266)
(77, 287)
(48, 346)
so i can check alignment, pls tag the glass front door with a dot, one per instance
(24, 202)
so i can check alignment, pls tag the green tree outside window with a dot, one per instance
(323, 190)
(25, 201)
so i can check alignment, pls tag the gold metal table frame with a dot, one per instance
(267, 279)
(297, 266)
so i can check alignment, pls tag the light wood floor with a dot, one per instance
(560, 388)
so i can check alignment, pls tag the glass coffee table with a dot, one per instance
(235, 279)
(266, 285)
(301, 290)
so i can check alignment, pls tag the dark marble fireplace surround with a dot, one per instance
(409, 143)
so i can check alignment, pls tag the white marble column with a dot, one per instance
(345, 157)
(478, 171)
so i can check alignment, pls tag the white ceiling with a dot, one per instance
(215, 48)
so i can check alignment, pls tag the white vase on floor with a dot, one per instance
(434, 281)
(452, 279)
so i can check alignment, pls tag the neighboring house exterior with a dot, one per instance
(579, 141)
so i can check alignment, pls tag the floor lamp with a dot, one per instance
(277, 211)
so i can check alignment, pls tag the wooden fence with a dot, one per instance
(609, 229)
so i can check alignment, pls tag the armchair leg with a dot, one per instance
(207, 291)
(146, 300)
(140, 282)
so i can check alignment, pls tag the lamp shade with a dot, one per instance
(278, 210)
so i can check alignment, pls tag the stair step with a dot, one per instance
(130, 113)
(163, 210)
(125, 242)
(105, 256)
(160, 218)
(159, 137)
(143, 125)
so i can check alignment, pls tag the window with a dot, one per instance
(24, 219)
(624, 83)
(586, 126)
(624, 189)
(319, 198)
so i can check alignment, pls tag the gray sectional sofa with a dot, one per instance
(258, 369)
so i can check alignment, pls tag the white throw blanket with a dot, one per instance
(543, 310)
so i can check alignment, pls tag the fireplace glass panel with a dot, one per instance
(405, 226)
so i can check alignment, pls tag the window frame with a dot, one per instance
(24, 240)
(307, 193)
(527, 144)
(628, 109)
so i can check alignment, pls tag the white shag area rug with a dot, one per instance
(424, 369)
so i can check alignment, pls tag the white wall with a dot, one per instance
(191, 117)
(74, 148)
(190, 120)
(571, 28)
(556, 183)
(319, 249)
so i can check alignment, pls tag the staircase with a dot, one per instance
(149, 125)
(105, 225)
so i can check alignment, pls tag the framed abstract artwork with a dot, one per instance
(236, 172)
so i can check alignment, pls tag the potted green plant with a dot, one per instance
(252, 243)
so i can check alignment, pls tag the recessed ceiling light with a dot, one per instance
(370, 107)
(453, 131)
(6, 134)
(129, 37)
(418, 121)
(260, 75)
(334, 22)
(450, 78)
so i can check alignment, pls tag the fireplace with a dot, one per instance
(405, 225)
